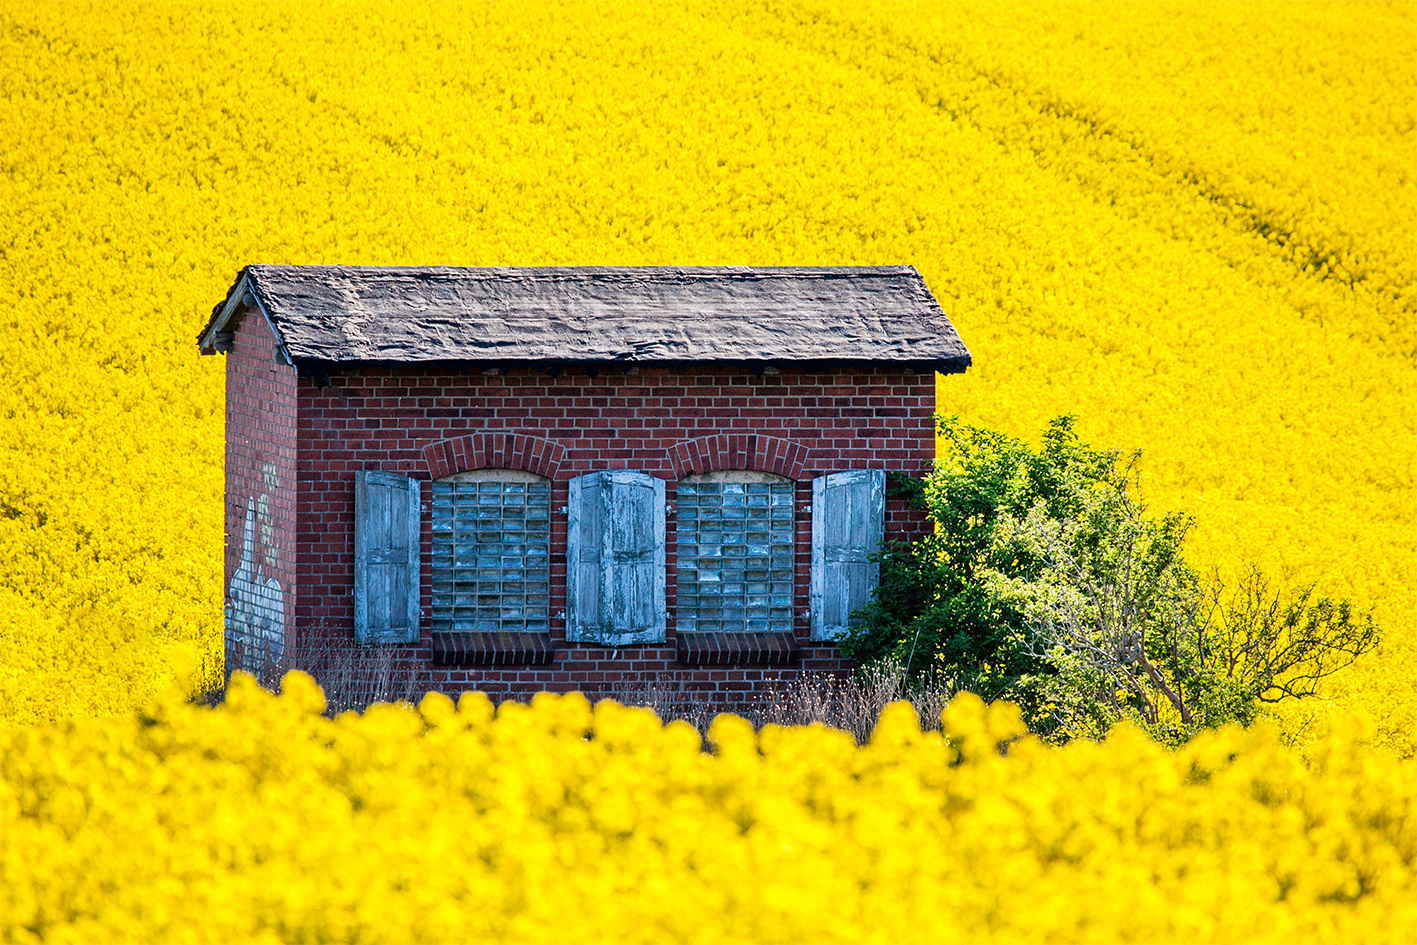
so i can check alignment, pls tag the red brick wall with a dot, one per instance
(431, 422)
(260, 499)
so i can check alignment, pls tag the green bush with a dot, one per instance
(1044, 581)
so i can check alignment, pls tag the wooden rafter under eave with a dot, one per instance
(220, 330)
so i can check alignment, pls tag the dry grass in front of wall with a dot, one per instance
(355, 678)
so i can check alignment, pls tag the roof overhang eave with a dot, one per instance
(952, 365)
(243, 294)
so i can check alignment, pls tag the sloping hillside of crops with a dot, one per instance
(1190, 225)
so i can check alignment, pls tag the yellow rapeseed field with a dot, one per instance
(264, 821)
(1190, 224)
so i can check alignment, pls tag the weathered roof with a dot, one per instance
(656, 314)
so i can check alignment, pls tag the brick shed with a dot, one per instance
(516, 479)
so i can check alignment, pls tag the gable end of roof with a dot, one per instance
(241, 298)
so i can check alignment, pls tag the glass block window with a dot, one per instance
(735, 554)
(491, 551)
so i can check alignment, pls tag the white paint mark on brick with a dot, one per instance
(255, 606)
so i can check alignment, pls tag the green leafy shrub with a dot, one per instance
(1045, 581)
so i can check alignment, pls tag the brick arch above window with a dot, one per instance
(533, 454)
(753, 451)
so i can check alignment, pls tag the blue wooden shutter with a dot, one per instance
(615, 559)
(848, 526)
(586, 513)
(385, 558)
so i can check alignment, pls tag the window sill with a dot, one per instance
(736, 649)
(483, 648)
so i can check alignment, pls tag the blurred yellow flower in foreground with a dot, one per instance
(262, 820)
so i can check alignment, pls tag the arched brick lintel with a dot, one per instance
(531, 454)
(760, 453)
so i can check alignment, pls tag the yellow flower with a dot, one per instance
(1188, 224)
